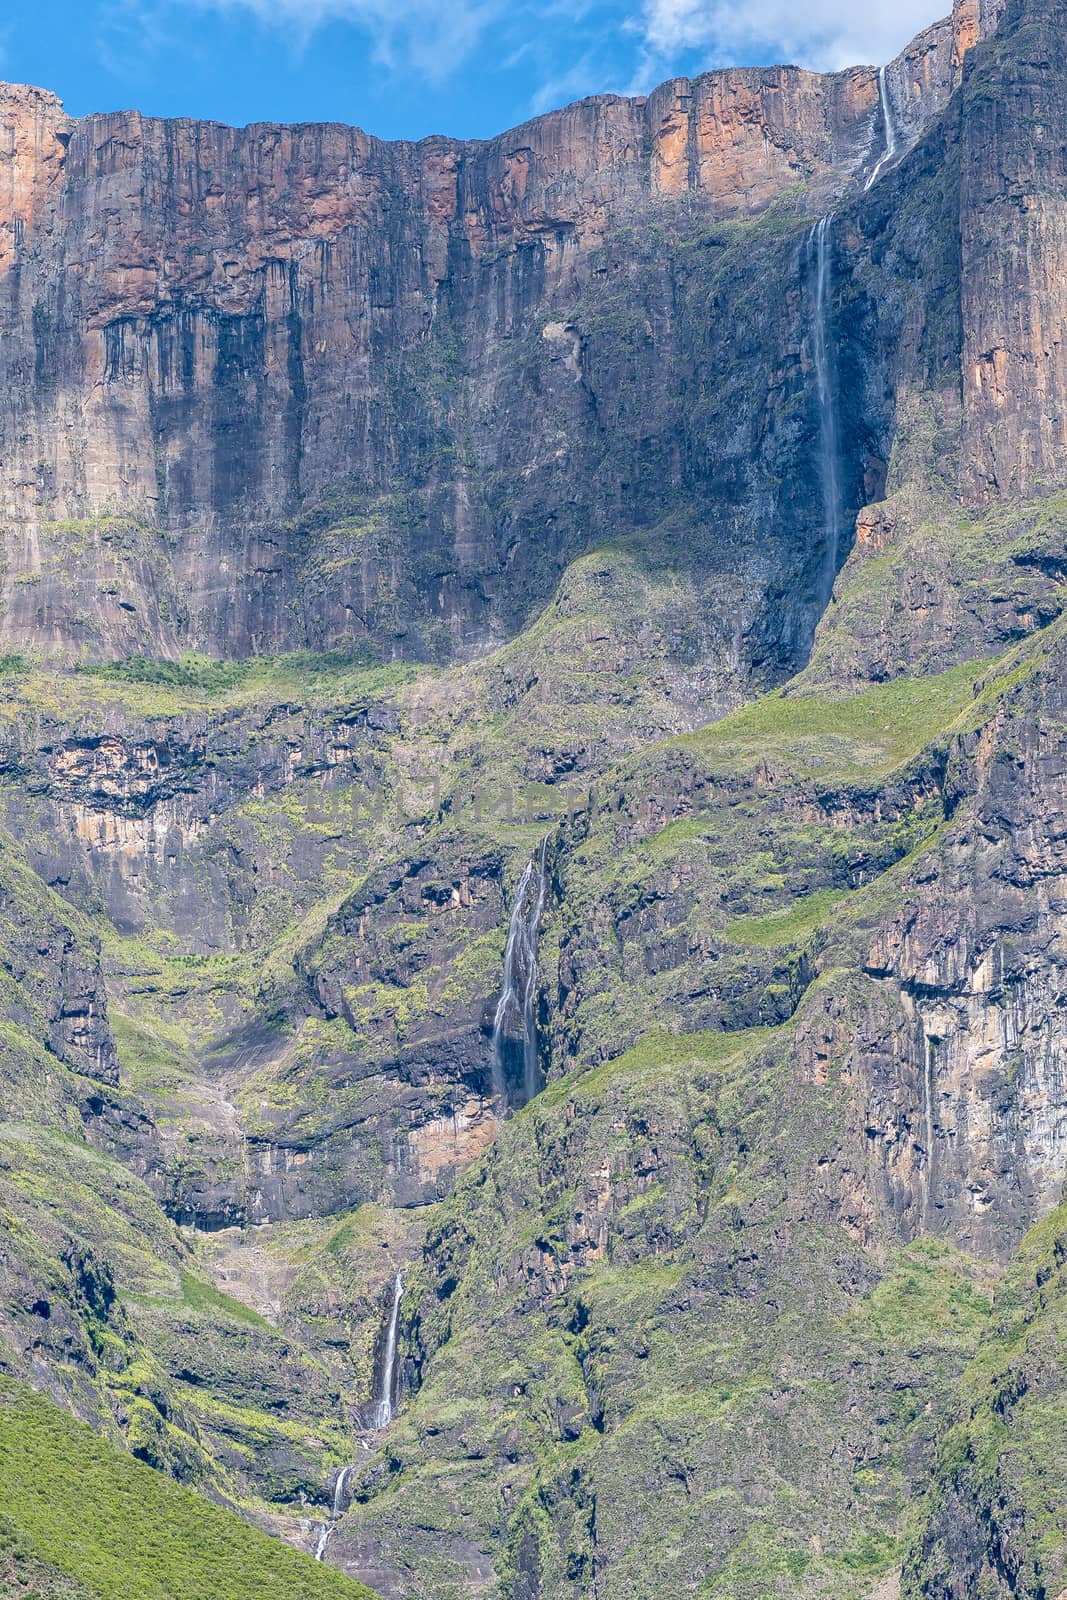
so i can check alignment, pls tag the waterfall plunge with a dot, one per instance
(515, 1025)
(385, 1394)
(326, 1528)
(386, 1387)
(820, 243)
(929, 1091)
(339, 1492)
(890, 129)
(820, 264)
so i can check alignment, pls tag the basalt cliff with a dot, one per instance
(533, 859)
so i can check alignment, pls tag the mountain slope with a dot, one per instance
(111, 1526)
(701, 566)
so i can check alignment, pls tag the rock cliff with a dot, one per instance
(253, 377)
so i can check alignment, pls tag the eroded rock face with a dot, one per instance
(977, 955)
(265, 387)
(55, 1000)
(158, 822)
(1014, 222)
(973, 21)
(36, 133)
(402, 981)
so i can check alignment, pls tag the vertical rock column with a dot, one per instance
(34, 130)
(1013, 228)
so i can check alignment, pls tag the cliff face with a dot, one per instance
(1013, 200)
(263, 369)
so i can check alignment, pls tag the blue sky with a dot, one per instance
(404, 68)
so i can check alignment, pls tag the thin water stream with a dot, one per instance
(386, 1390)
(820, 252)
(890, 130)
(516, 1063)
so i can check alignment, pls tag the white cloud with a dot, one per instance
(428, 37)
(568, 47)
(823, 34)
(585, 77)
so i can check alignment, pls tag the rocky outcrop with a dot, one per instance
(397, 1045)
(1013, 206)
(54, 997)
(157, 821)
(976, 1049)
(36, 132)
(972, 21)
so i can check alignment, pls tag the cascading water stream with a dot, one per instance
(890, 130)
(385, 1396)
(928, 1120)
(339, 1491)
(515, 1024)
(326, 1529)
(820, 263)
(820, 241)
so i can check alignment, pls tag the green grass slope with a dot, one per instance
(75, 1508)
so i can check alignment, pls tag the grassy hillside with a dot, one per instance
(76, 1509)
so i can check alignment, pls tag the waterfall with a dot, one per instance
(326, 1528)
(928, 1119)
(890, 130)
(515, 1025)
(386, 1387)
(339, 1490)
(820, 241)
